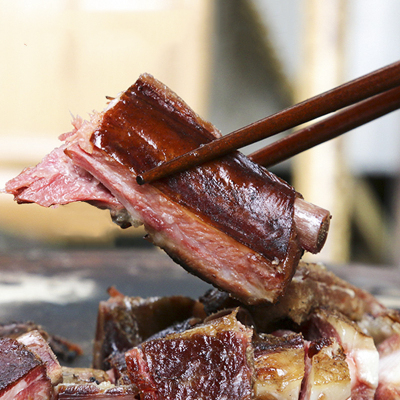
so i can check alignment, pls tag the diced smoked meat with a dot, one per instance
(22, 375)
(206, 362)
(124, 322)
(361, 354)
(35, 342)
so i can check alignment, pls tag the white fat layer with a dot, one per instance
(13, 392)
(389, 368)
(362, 355)
(290, 390)
(333, 391)
(367, 362)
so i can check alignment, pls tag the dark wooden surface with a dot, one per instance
(61, 289)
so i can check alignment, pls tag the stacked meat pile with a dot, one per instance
(271, 329)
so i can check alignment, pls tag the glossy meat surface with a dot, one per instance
(150, 125)
(206, 362)
(195, 244)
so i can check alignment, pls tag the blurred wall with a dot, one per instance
(61, 58)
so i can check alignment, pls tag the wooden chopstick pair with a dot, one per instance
(366, 98)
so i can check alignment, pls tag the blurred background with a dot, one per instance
(233, 62)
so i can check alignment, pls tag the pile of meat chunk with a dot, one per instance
(272, 328)
(326, 340)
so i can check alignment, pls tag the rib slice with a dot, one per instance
(230, 222)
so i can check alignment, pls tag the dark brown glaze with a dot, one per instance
(317, 345)
(151, 125)
(265, 343)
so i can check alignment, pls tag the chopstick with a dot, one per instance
(327, 129)
(335, 99)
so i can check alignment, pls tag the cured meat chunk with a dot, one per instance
(327, 374)
(361, 354)
(313, 286)
(35, 342)
(62, 348)
(22, 374)
(230, 222)
(278, 367)
(124, 322)
(205, 362)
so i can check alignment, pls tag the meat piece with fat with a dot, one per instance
(313, 286)
(124, 322)
(327, 374)
(230, 222)
(211, 361)
(62, 348)
(36, 343)
(22, 374)
(278, 366)
(84, 375)
(90, 383)
(361, 354)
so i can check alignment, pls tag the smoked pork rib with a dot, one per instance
(230, 221)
